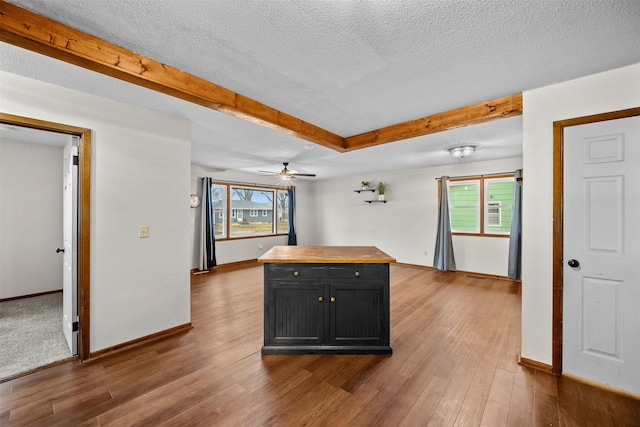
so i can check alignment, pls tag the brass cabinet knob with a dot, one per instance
(296, 274)
(357, 274)
(333, 299)
(320, 299)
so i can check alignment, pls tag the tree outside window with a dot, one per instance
(247, 202)
(283, 211)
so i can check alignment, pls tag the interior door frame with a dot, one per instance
(84, 223)
(558, 226)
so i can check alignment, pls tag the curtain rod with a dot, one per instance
(479, 176)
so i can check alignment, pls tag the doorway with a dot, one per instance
(83, 136)
(584, 299)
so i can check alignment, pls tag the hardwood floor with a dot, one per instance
(456, 340)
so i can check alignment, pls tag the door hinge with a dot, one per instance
(75, 160)
(74, 327)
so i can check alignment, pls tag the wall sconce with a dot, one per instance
(462, 150)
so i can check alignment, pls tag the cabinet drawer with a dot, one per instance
(364, 273)
(295, 272)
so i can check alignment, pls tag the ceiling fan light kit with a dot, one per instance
(462, 150)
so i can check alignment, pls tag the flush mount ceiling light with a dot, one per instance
(462, 150)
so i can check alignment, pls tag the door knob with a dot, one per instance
(573, 263)
(58, 250)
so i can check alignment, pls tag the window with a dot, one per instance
(244, 211)
(283, 211)
(499, 198)
(481, 205)
(464, 199)
(219, 197)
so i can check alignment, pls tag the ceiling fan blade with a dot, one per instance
(286, 173)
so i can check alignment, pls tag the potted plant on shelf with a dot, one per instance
(382, 189)
(364, 185)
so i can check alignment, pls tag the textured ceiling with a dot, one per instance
(346, 66)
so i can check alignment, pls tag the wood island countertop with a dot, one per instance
(326, 254)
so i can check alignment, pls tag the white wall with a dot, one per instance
(140, 164)
(30, 218)
(229, 251)
(609, 91)
(405, 226)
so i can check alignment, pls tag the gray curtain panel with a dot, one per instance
(443, 258)
(515, 240)
(293, 240)
(207, 231)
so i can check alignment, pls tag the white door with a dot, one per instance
(70, 256)
(601, 272)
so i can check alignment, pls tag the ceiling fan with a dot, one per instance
(286, 174)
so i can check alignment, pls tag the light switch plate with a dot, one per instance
(143, 231)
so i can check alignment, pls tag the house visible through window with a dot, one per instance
(481, 206)
(493, 214)
(498, 194)
(253, 211)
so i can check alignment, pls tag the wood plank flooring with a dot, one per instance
(455, 338)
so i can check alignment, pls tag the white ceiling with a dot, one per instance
(346, 66)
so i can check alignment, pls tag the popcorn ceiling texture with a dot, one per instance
(353, 66)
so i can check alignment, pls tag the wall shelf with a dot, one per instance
(375, 201)
(364, 191)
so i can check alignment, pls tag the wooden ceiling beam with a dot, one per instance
(482, 112)
(37, 33)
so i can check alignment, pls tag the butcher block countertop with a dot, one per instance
(326, 254)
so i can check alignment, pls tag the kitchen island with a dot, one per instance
(326, 300)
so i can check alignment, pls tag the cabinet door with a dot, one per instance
(357, 313)
(295, 313)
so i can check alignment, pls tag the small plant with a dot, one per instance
(382, 187)
(364, 184)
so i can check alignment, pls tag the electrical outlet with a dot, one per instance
(143, 231)
(425, 253)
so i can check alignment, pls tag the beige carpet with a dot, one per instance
(31, 334)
